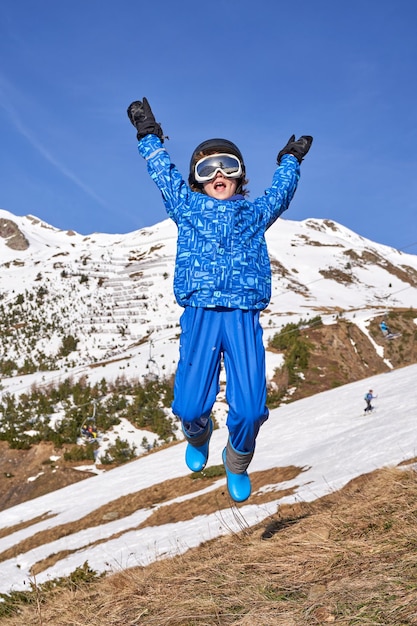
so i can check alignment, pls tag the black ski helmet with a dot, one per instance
(211, 146)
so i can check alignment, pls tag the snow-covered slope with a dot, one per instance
(113, 293)
(327, 435)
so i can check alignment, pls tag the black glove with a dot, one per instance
(142, 118)
(297, 148)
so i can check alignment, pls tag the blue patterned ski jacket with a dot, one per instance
(222, 258)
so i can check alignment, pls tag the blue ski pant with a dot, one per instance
(207, 337)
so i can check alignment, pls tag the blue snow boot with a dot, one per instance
(236, 464)
(197, 451)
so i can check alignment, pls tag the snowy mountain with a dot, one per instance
(113, 293)
(112, 296)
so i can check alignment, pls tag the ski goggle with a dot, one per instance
(206, 168)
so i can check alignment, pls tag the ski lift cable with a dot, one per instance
(410, 245)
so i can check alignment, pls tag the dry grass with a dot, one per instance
(349, 558)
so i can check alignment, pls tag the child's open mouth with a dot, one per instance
(219, 184)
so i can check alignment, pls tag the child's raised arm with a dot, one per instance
(142, 118)
(297, 148)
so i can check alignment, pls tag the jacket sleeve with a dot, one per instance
(174, 190)
(278, 196)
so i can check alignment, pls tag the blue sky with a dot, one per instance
(254, 72)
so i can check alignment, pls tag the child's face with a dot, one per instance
(220, 188)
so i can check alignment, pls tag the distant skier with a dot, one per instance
(368, 399)
(384, 329)
(89, 432)
(92, 432)
(387, 332)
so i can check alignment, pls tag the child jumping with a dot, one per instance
(223, 281)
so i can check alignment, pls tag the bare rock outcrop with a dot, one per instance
(14, 237)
